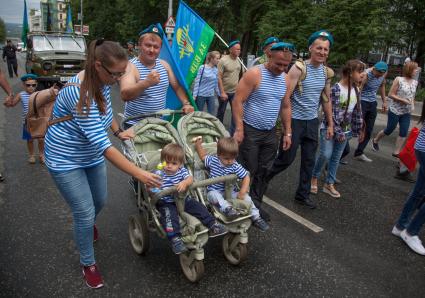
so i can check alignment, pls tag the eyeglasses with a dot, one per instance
(31, 85)
(114, 75)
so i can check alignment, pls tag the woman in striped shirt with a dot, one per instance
(409, 224)
(75, 149)
(205, 87)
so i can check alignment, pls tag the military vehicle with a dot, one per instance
(55, 57)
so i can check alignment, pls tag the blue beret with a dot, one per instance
(283, 46)
(233, 43)
(270, 40)
(381, 66)
(152, 29)
(320, 33)
(29, 76)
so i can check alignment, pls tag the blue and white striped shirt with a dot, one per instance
(25, 99)
(172, 180)
(420, 141)
(305, 106)
(209, 82)
(151, 99)
(371, 87)
(261, 109)
(217, 169)
(81, 141)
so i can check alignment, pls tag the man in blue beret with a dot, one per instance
(256, 107)
(144, 87)
(268, 43)
(373, 80)
(308, 83)
(229, 73)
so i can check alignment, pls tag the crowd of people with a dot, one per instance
(75, 149)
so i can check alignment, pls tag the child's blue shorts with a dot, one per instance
(25, 134)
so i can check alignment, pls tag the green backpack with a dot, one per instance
(329, 74)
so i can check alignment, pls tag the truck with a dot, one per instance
(55, 56)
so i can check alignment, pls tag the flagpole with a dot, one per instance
(222, 40)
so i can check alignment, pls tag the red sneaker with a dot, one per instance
(92, 276)
(95, 234)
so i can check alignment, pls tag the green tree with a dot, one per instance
(2, 31)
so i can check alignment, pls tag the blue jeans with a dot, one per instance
(210, 100)
(369, 112)
(415, 199)
(403, 120)
(85, 191)
(330, 152)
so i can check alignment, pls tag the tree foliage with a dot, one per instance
(358, 26)
(2, 31)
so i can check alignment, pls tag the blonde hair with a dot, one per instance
(409, 69)
(211, 55)
(227, 145)
(172, 152)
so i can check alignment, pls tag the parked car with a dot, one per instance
(55, 57)
(20, 47)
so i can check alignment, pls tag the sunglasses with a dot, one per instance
(31, 85)
(114, 75)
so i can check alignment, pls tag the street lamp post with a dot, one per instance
(81, 15)
(170, 13)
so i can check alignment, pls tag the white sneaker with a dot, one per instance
(363, 157)
(396, 232)
(413, 242)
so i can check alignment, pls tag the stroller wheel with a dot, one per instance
(234, 251)
(138, 233)
(193, 269)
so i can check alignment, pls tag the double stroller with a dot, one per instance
(151, 135)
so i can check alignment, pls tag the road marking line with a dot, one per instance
(292, 215)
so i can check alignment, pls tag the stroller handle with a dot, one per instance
(228, 180)
(157, 114)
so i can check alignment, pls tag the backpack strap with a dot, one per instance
(67, 117)
(300, 64)
(329, 74)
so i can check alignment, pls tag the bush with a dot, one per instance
(420, 95)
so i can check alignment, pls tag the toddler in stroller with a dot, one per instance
(224, 163)
(175, 174)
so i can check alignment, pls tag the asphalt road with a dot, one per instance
(354, 256)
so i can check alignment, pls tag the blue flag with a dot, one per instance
(173, 101)
(192, 39)
(25, 28)
(69, 27)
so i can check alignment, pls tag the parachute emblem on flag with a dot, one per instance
(184, 41)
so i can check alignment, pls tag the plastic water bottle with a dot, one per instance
(158, 171)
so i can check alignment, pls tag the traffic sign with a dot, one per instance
(169, 30)
(170, 22)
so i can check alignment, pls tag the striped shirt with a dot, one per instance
(420, 141)
(261, 109)
(371, 87)
(305, 106)
(172, 180)
(81, 141)
(25, 99)
(151, 99)
(217, 169)
(208, 84)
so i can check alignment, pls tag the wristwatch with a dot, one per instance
(288, 134)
